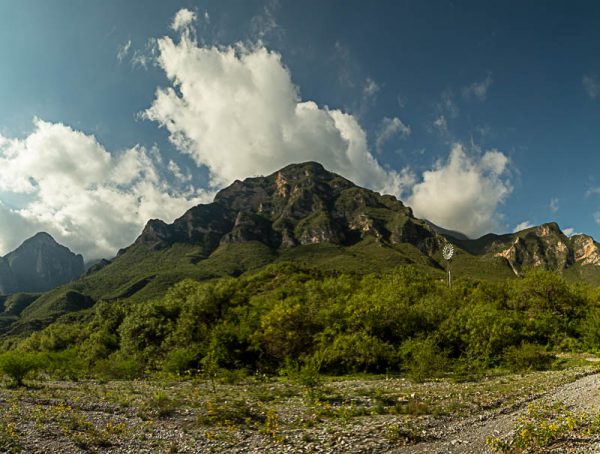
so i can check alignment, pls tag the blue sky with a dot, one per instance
(482, 116)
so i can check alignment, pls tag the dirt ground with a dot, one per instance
(272, 415)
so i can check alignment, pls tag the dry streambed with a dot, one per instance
(261, 415)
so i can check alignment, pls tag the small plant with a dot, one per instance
(270, 425)
(235, 412)
(9, 437)
(407, 433)
(306, 375)
(210, 368)
(161, 404)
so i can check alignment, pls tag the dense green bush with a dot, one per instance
(19, 365)
(119, 367)
(65, 364)
(527, 357)
(181, 361)
(590, 329)
(357, 352)
(423, 359)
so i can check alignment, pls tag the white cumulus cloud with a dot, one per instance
(88, 199)
(235, 110)
(464, 192)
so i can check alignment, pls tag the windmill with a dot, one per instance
(448, 253)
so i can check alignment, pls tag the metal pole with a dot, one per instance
(447, 253)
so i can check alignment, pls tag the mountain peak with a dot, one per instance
(549, 228)
(297, 205)
(307, 169)
(39, 264)
(41, 238)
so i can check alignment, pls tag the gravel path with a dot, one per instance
(468, 436)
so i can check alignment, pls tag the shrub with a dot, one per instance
(358, 352)
(590, 329)
(527, 357)
(66, 364)
(121, 368)
(423, 359)
(20, 365)
(180, 361)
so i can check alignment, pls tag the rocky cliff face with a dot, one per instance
(586, 250)
(39, 264)
(545, 246)
(299, 205)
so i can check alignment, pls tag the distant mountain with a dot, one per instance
(544, 246)
(39, 264)
(301, 213)
(446, 232)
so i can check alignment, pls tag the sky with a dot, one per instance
(481, 116)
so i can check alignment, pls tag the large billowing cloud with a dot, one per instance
(66, 183)
(464, 192)
(235, 110)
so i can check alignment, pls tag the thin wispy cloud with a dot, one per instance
(123, 51)
(142, 58)
(478, 90)
(441, 124)
(389, 128)
(447, 104)
(264, 25)
(522, 226)
(592, 191)
(591, 85)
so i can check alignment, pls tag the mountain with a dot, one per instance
(445, 232)
(301, 213)
(544, 246)
(39, 264)
(297, 206)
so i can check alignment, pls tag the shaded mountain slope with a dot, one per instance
(39, 264)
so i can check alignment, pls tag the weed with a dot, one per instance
(543, 425)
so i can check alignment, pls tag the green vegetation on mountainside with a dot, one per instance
(143, 273)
